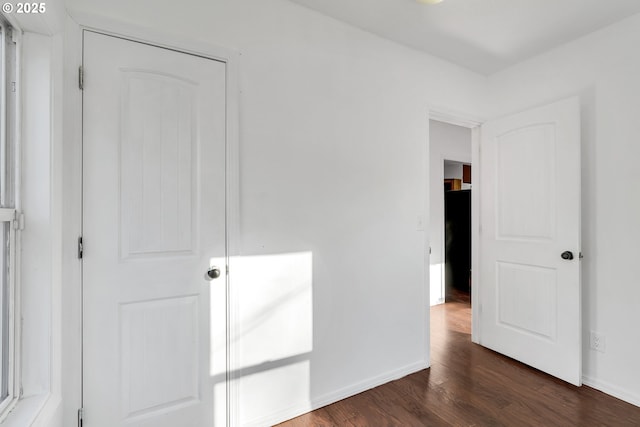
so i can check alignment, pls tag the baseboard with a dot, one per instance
(610, 389)
(329, 398)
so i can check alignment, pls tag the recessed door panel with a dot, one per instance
(526, 182)
(158, 173)
(527, 298)
(159, 357)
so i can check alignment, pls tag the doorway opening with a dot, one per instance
(450, 179)
(450, 152)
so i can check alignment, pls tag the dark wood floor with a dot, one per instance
(468, 385)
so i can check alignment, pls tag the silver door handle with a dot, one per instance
(212, 273)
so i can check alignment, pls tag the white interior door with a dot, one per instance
(154, 337)
(530, 299)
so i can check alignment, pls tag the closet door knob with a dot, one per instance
(212, 273)
(568, 255)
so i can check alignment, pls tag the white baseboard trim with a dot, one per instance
(329, 398)
(613, 390)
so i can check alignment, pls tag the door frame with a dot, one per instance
(473, 123)
(231, 59)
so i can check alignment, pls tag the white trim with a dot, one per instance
(475, 234)
(17, 198)
(11, 130)
(51, 412)
(11, 19)
(231, 59)
(612, 390)
(70, 194)
(156, 38)
(426, 293)
(7, 214)
(232, 225)
(454, 118)
(3, 108)
(343, 393)
(24, 413)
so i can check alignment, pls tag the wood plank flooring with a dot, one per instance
(468, 385)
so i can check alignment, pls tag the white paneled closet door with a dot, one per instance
(154, 267)
(530, 295)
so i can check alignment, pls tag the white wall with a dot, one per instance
(453, 170)
(333, 178)
(603, 69)
(446, 142)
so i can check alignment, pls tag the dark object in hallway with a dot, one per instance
(468, 385)
(457, 220)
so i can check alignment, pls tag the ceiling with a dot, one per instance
(482, 35)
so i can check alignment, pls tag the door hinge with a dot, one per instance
(80, 416)
(81, 77)
(80, 248)
(18, 223)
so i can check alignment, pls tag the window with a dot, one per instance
(9, 384)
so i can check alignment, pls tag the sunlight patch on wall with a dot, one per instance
(273, 332)
(436, 280)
